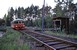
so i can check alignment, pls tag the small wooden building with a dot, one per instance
(62, 23)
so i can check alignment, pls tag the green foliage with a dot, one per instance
(2, 22)
(9, 41)
(38, 22)
(3, 28)
(9, 17)
(4, 17)
(31, 12)
(48, 22)
(58, 10)
(10, 14)
(29, 23)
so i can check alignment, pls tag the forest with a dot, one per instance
(33, 15)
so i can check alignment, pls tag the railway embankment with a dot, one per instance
(2, 30)
(12, 40)
(62, 35)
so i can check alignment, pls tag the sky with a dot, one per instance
(6, 4)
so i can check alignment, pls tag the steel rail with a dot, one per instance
(36, 36)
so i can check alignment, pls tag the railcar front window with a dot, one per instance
(19, 22)
(22, 21)
(16, 22)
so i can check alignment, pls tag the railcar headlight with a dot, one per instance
(16, 26)
(23, 25)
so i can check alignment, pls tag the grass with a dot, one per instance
(61, 34)
(10, 41)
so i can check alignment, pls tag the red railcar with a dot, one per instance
(18, 24)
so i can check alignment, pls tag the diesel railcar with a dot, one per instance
(18, 24)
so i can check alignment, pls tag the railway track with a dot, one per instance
(52, 43)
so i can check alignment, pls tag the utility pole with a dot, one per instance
(43, 14)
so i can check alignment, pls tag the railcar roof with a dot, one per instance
(17, 20)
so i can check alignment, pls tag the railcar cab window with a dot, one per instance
(20, 21)
(16, 22)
